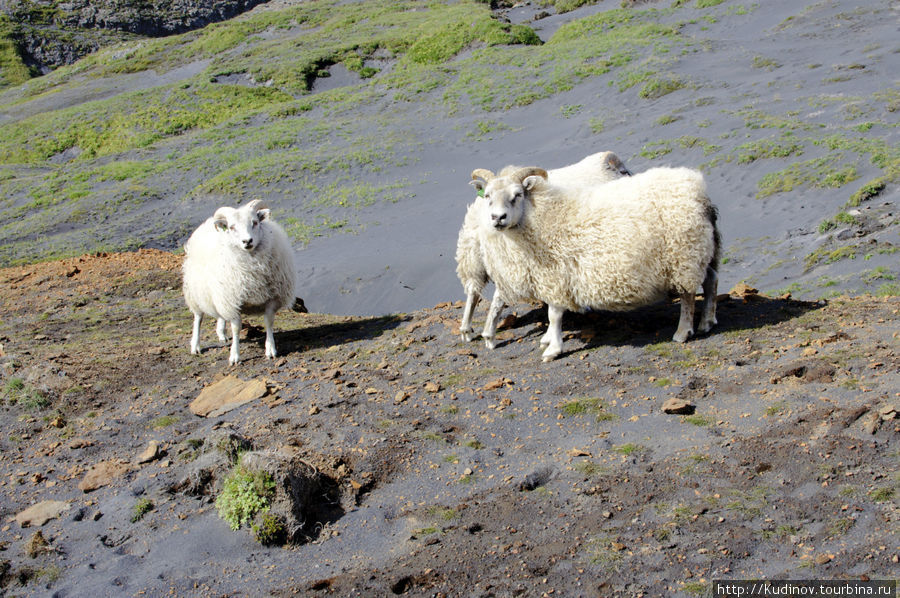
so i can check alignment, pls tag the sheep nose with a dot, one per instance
(499, 219)
(248, 243)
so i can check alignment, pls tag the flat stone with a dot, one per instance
(676, 406)
(151, 453)
(103, 474)
(41, 513)
(227, 394)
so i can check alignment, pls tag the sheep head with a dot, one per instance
(612, 163)
(506, 194)
(243, 225)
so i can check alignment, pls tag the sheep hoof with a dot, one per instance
(489, 342)
(234, 359)
(271, 354)
(195, 350)
(550, 355)
(706, 326)
(468, 335)
(682, 335)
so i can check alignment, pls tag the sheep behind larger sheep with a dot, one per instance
(595, 169)
(615, 246)
(239, 261)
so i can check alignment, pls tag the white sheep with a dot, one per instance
(616, 246)
(595, 169)
(238, 262)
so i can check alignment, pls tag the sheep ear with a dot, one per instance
(263, 214)
(613, 163)
(530, 181)
(479, 186)
(220, 219)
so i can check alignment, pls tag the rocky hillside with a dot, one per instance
(384, 456)
(47, 34)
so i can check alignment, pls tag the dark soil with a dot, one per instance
(447, 469)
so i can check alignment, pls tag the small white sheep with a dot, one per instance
(238, 262)
(595, 169)
(616, 246)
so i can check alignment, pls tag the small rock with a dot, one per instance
(574, 452)
(371, 391)
(822, 559)
(151, 453)
(400, 397)
(102, 474)
(156, 350)
(227, 394)
(313, 410)
(331, 374)
(676, 406)
(743, 290)
(507, 322)
(498, 383)
(432, 386)
(809, 352)
(870, 422)
(58, 422)
(887, 412)
(41, 513)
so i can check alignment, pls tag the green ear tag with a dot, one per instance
(481, 193)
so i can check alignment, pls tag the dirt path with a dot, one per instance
(446, 469)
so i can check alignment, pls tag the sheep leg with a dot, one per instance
(686, 321)
(269, 318)
(195, 334)
(710, 288)
(220, 330)
(489, 334)
(235, 355)
(554, 333)
(466, 332)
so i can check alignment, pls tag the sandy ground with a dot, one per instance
(445, 469)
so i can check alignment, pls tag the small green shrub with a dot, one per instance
(269, 529)
(245, 493)
(586, 406)
(868, 191)
(141, 508)
(628, 448)
(17, 392)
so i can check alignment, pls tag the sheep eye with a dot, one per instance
(231, 227)
(255, 224)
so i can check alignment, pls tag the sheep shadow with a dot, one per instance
(301, 333)
(657, 323)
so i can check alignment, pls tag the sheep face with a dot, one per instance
(243, 226)
(505, 196)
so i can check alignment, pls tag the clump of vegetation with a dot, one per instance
(244, 494)
(868, 191)
(17, 392)
(837, 220)
(164, 421)
(628, 448)
(586, 406)
(269, 529)
(141, 508)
